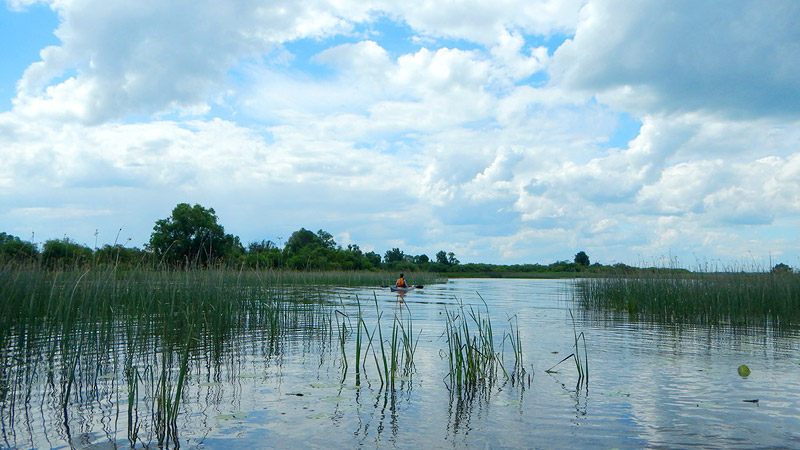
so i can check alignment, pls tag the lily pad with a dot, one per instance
(319, 416)
(511, 403)
(616, 394)
(236, 415)
(744, 371)
(324, 385)
(249, 375)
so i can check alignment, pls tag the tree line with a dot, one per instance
(193, 237)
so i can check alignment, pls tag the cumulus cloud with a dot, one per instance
(121, 58)
(486, 22)
(682, 56)
(447, 144)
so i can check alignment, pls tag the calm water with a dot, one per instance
(649, 386)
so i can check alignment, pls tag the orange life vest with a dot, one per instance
(401, 282)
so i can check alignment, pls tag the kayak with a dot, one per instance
(401, 289)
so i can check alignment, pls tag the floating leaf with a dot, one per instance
(324, 385)
(236, 415)
(743, 371)
(249, 375)
(334, 399)
(616, 394)
(319, 416)
(512, 403)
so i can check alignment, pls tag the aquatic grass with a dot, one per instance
(581, 361)
(343, 332)
(736, 298)
(471, 354)
(393, 355)
(513, 337)
(133, 378)
(167, 397)
(64, 324)
(407, 339)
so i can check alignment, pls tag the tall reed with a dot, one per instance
(472, 357)
(67, 324)
(736, 298)
(393, 356)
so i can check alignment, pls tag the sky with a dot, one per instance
(662, 133)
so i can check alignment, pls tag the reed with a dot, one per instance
(581, 362)
(513, 337)
(64, 324)
(735, 298)
(471, 352)
(393, 356)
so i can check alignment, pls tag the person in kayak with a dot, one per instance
(401, 282)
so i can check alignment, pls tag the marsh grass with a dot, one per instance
(472, 358)
(736, 298)
(62, 330)
(581, 360)
(393, 356)
(518, 373)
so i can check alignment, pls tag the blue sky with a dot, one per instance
(513, 132)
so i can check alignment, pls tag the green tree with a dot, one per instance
(13, 248)
(300, 239)
(394, 255)
(119, 254)
(191, 235)
(261, 247)
(781, 269)
(446, 259)
(452, 260)
(65, 253)
(306, 250)
(582, 258)
(373, 258)
(326, 239)
(263, 254)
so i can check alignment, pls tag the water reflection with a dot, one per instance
(358, 367)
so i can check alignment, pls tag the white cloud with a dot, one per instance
(669, 56)
(151, 57)
(448, 146)
(485, 22)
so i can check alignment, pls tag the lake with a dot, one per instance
(648, 386)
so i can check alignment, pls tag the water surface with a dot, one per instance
(649, 385)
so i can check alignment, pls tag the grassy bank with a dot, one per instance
(736, 298)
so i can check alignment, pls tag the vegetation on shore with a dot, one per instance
(192, 237)
(735, 298)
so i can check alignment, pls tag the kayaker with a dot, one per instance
(401, 282)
